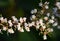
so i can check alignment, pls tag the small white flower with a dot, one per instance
(25, 24)
(5, 20)
(55, 24)
(33, 11)
(21, 29)
(30, 24)
(51, 29)
(46, 7)
(37, 22)
(45, 37)
(10, 24)
(0, 31)
(40, 20)
(46, 2)
(37, 26)
(33, 23)
(21, 20)
(1, 18)
(24, 19)
(43, 26)
(33, 16)
(45, 18)
(58, 27)
(10, 31)
(52, 17)
(58, 5)
(51, 21)
(27, 29)
(40, 4)
(48, 14)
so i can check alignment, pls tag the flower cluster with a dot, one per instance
(43, 22)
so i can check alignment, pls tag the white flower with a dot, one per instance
(1, 18)
(30, 24)
(21, 20)
(27, 29)
(37, 22)
(24, 19)
(46, 2)
(21, 29)
(40, 20)
(51, 21)
(58, 5)
(43, 26)
(48, 14)
(33, 11)
(51, 29)
(0, 31)
(37, 26)
(10, 23)
(45, 18)
(25, 24)
(55, 24)
(5, 20)
(40, 4)
(52, 17)
(33, 16)
(4, 28)
(33, 23)
(45, 37)
(18, 26)
(13, 17)
(10, 31)
(58, 27)
(46, 7)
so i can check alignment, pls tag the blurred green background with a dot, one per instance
(21, 8)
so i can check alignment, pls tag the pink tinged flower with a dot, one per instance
(27, 29)
(10, 31)
(44, 37)
(46, 18)
(4, 28)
